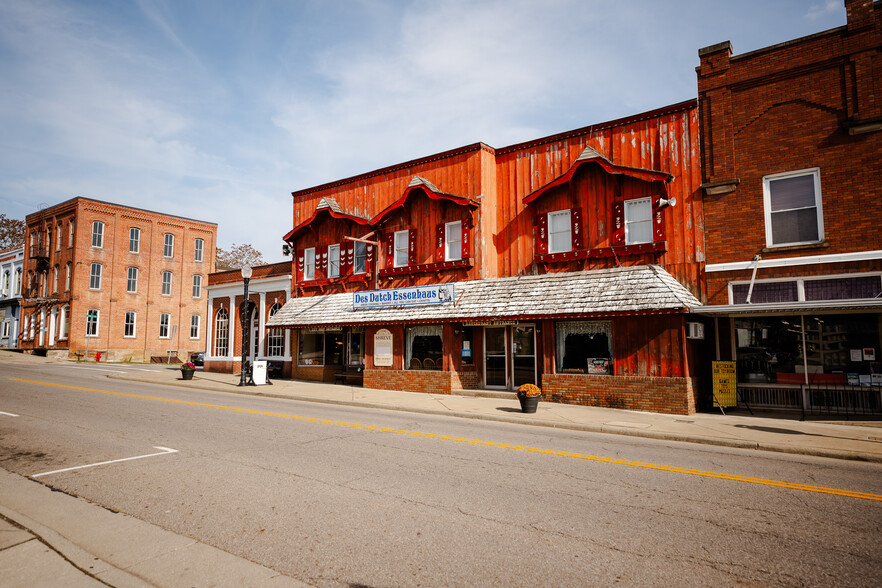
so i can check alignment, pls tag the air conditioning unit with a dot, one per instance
(695, 330)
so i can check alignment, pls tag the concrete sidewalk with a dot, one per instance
(837, 439)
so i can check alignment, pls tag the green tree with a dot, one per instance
(12, 232)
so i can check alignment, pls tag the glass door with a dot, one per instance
(495, 355)
(523, 355)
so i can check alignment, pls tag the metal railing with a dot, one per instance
(814, 399)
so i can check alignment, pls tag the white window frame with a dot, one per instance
(195, 323)
(198, 249)
(356, 257)
(309, 264)
(197, 286)
(98, 234)
(97, 323)
(401, 244)
(58, 238)
(55, 279)
(133, 324)
(132, 280)
(68, 270)
(168, 245)
(166, 283)
(767, 205)
(164, 325)
(334, 261)
(134, 240)
(567, 214)
(222, 333)
(6, 283)
(630, 208)
(18, 281)
(453, 241)
(70, 234)
(64, 322)
(95, 276)
(275, 338)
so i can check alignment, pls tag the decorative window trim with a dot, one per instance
(165, 325)
(98, 234)
(629, 208)
(134, 324)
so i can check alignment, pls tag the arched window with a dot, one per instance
(64, 322)
(222, 333)
(18, 281)
(275, 338)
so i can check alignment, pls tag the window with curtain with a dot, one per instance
(584, 347)
(424, 347)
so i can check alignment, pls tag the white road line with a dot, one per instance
(8, 414)
(163, 451)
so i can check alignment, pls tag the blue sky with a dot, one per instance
(219, 109)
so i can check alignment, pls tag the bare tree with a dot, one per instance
(238, 256)
(12, 232)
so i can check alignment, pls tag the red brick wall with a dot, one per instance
(665, 395)
(429, 381)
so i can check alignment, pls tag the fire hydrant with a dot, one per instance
(97, 356)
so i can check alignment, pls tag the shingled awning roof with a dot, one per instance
(644, 289)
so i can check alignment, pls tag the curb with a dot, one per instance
(607, 429)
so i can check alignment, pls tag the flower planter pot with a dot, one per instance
(187, 374)
(529, 403)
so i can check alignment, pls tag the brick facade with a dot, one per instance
(665, 395)
(60, 237)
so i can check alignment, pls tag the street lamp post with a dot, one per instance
(246, 277)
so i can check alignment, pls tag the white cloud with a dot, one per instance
(818, 11)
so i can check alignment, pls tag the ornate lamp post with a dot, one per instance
(246, 277)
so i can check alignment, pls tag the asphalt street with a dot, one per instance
(339, 495)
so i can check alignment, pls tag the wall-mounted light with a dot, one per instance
(663, 202)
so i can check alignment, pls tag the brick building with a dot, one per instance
(570, 261)
(125, 282)
(268, 289)
(791, 139)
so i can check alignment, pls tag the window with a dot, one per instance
(6, 325)
(453, 241)
(221, 333)
(55, 279)
(134, 240)
(194, 326)
(793, 208)
(166, 283)
(18, 281)
(64, 323)
(58, 238)
(197, 254)
(309, 264)
(92, 322)
(559, 231)
(584, 347)
(401, 251)
(70, 234)
(169, 248)
(275, 338)
(163, 325)
(360, 264)
(97, 234)
(95, 277)
(197, 286)
(424, 349)
(6, 283)
(333, 261)
(129, 329)
(24, 327)
(48, 241)
(638, 221)
(67, 275)
(320, 348)
(132, 283)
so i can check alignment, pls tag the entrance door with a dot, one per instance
(523, 355)
(495, 355)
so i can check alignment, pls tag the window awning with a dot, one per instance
(421, 184)
(644, 289)
(802, 307)
(589, 155)
(328, 206)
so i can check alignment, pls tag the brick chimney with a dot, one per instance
(859, 14)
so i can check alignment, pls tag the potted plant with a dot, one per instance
(529, 395)
(187, 371)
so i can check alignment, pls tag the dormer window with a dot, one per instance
(638, 221)
(309, 264)
(401, 248)
(559, 231)
(453, 241)
(360, 258)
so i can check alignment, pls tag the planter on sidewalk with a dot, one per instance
(187, 371)
(528, 396)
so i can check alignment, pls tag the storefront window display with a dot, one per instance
(424, 348)
(320, 348)
(584, 347)
(770, 349)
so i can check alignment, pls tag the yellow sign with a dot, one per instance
(725, 384)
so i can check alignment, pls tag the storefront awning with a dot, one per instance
(803, 307)
(644, 289)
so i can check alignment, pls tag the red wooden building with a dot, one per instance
(791, 151)
(570, 261)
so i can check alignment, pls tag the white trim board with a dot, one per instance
(794, 261)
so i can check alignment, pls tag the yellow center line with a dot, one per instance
(569, 454)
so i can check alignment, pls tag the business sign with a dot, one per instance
(383, 348)
(415, 295)
(725, 384)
